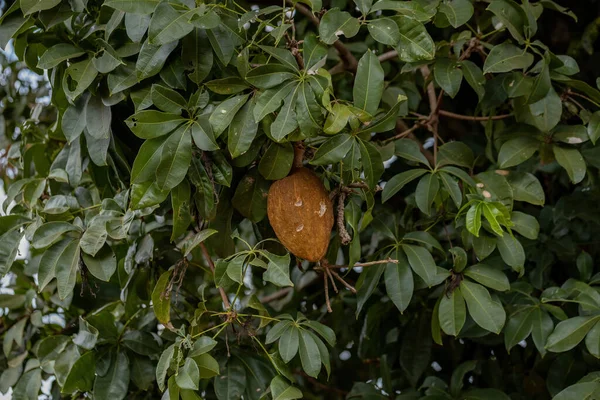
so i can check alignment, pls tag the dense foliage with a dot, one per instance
(455, 138)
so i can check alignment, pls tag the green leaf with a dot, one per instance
(224, 113)
(286, 121)
(506, 57)
(276, 162)
(181, 205)
(421, 262)
(526, 187)
(163, 365)
(87, 335)
(516, 151)
(458, 12)
(397, 182)
(57, 54)
(113, 385)
(229, 85)
(586, 390)
(474, 77)
(147, 161)
(162, 304)
(175, 159)
(66, 269)
(518, 327)
(455, 153)
(399, 283)
(385, 31)
(309, 354)
(569, 333)
(168, 24)
(572, 161)
(368, 86)
(570, 134)
(133, 6)
(242, 130)
(152, 58)
(250, 197)
(525, 224)
(188, 375)
(282, 390)
(94, 236)
(197, 55)
(593, 128)
(270, 100)
(488, 276)
(337, 118)
(511, 251)
(289, 343)
(372, 163)
(78, 77)
(146, 194)
(278, 269)
(486, 312)
(202, 345)
(366, 285)
(335, 23)
(452, 187)
(50, 233)
(511, 15)
(47, 267)
(195, 240)
(452, 312)
(410, 150)
(270, 75)
(427, 189)
(387, 121)
(415, 43)
(277, 330)
(73, 120)
(31, 6)
(222, 43)
(203, 135)
(168, 100)
(333, 150)
(150, 124)
(282, 55)
(232, 382)
(103, 264)
(136, 26)
(82, 374)
(592, 341)
(448, 75)
(308, 111)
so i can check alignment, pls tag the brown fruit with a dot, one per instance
(301, 214)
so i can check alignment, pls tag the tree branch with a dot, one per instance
(211, 264)
(472, 117)
(388, 55)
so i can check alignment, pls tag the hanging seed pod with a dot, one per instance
(301, 214)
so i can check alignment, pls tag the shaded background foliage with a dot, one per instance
(105, 327)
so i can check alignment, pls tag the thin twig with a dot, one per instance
(276, 295)
(388, 55)
(402, 134)
(326, 284)
(345, 237)
(432, 122)
(472, 117)
(211, 265)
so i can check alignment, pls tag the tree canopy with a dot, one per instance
(339, 199)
